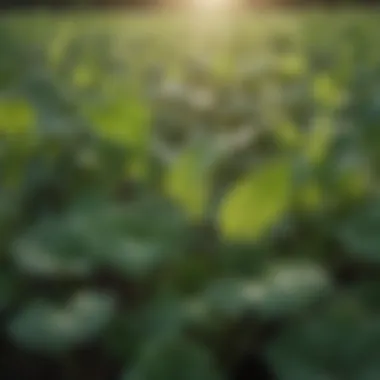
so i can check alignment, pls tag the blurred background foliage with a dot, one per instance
(183, 200)
(162, 3)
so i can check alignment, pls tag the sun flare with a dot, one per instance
(212, 5)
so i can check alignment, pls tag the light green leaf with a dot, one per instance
(288, 135)
(187, 182)
(326, 92)
(293, 65)
(16, 116)
(83, 76)
(125, 121)
(257, 202)
(319, 140)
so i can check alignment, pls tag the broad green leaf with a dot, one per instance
(256, 202)
(284, 290)
(33, 258)
(293, 287)
(54, 248)
(130, 240)
(50, 328)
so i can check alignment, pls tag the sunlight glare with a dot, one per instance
(211, 5)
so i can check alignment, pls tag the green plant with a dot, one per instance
(176, 209)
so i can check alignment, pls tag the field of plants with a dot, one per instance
(190, 197)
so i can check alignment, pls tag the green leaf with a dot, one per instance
(335, 341)
(16, 116)
(285, 290)
(310, 196)
(256, 202)
(131, 257)
(318, 140)
(59, 45)
(231, 298)
(293, 287)
(293, 65)
(125, 121)
(54, 248)
(83, 75)
(164, 315)
(353, 177)
(360, 236)
(326, 92)
(130, 240)
(187, 182)
(288, 135)
(50, 328)
(31, 258)
(173, 358)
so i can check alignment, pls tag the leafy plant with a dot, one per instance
(171, 206)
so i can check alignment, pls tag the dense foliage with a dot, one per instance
(183, 199)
